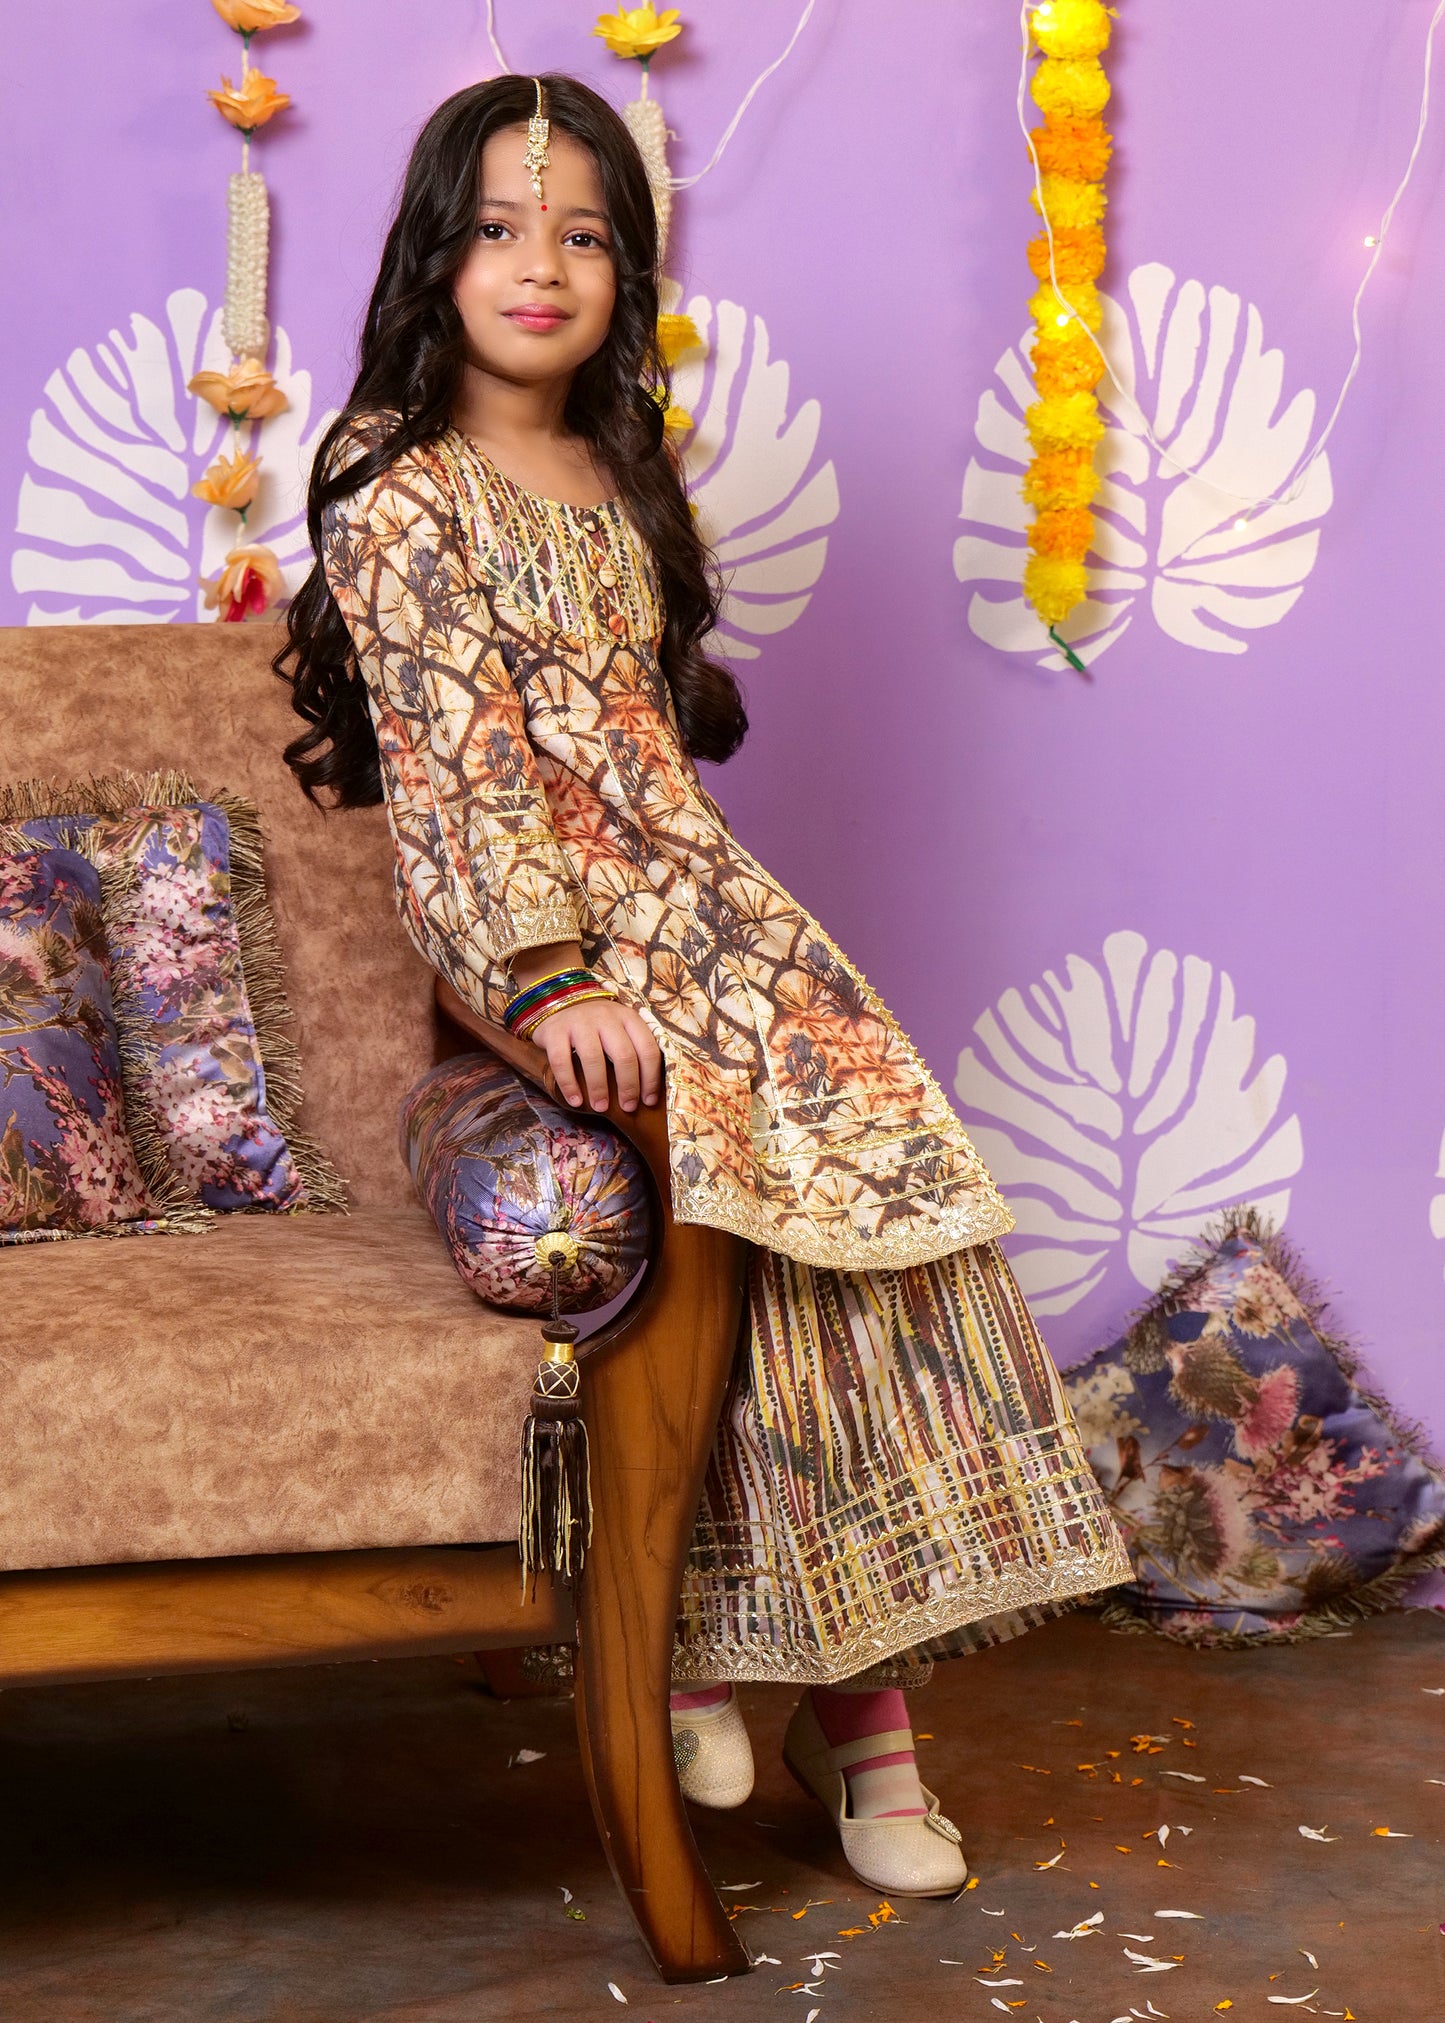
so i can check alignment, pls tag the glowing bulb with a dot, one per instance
(1062, 322)
(1241, 523)
(1372, 239)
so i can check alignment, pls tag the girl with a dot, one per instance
(505, 639)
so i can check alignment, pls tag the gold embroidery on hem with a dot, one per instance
(956, 1227)
(708, 1656)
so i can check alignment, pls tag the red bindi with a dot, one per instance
(544, 207)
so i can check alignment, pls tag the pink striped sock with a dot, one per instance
(885, 1786)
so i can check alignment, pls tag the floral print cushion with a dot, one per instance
(210, 1073)
(179, 967)
(498, 1165)
(67, 1167)
(1264, 1494)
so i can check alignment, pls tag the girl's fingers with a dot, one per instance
(649, 1057)
(621, 1050)
(559, 1059)
(586, 1045)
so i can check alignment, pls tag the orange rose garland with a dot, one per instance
(246, 394)
(1072, 150)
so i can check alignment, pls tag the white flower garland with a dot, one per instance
(248, 230)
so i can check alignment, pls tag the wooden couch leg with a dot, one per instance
(650, 1428)
(652, 1390)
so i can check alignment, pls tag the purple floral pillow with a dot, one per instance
(186, 966)
(210, 1070)
(1265, 1495)
(67, 1166)
(498, 1165)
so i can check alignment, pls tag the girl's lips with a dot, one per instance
(537, 319)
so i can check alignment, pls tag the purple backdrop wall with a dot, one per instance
(1086, 889)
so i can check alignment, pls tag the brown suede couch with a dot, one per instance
(285, 1439)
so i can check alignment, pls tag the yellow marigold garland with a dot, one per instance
(1064, 426)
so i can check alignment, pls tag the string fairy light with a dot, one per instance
(1375, 241)
(689, 182)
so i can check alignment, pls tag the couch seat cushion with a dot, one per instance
(279, 1384)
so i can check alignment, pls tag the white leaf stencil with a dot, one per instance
(763, 496)
(109, 531)
(1118, 1107)
(1192, 361)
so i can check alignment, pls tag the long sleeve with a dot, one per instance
(486, 874)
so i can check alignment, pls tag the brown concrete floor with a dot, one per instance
(350, 1843)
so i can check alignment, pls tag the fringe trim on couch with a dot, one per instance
(264, 974)
(1386, 1590)
(262, 969)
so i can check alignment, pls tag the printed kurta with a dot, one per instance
(538, 791)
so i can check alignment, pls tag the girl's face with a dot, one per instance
(536, 291)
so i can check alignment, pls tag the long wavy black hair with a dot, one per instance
(413, 348)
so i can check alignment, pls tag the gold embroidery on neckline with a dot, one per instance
(581, 570)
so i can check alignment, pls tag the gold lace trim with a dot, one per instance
(580, 570)
(958, 1225)
(721, 1655)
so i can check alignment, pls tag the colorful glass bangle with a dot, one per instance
(554, 995)
(521, 1001)
(528, 1026)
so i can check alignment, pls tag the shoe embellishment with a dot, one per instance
(685, 1745)
(944, 1826)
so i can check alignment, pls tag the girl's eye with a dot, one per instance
(590, 239)
(490, 227)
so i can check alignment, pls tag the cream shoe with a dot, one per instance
(917, 1856)
(713, 1755)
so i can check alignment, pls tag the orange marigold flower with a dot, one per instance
(1077, 148)
(1066, 368)
(1061, 478)
(1078, 254)
(230, 481)
(257, 101)
(1063, 531)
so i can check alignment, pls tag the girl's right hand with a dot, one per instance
(579, 1040)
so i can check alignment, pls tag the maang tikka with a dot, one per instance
(536, 158)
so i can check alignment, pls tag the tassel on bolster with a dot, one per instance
(556, 1495)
